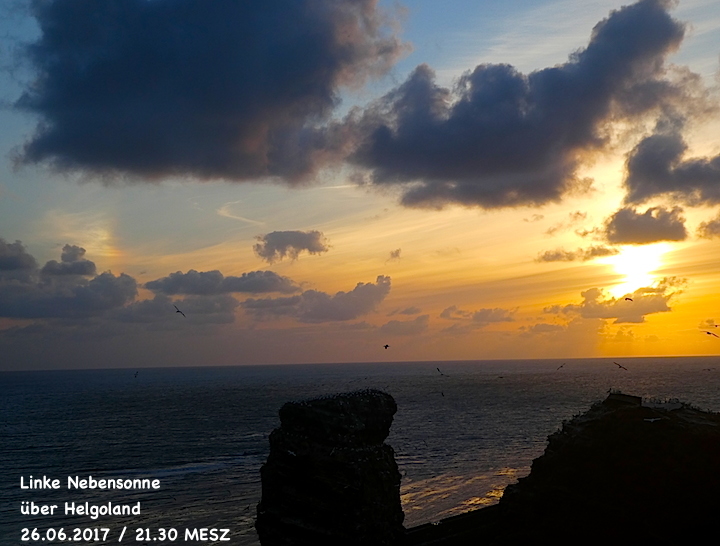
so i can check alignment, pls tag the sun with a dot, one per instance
(636, 264)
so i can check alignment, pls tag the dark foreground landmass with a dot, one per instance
(621, 473)
(624, 472)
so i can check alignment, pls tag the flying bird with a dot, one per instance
(712, 334)
(628, 299)
(620, 366)
(178, 310)
(653, 419)
(438, 369)
(386, 346)
(560, 366)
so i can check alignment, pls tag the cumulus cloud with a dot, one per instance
(15, 261)
(315, 306)
(658, 166)
(501, 138)
(627, 226)
(581, 254)
(645, 301)
(83, 298)
(406, 327)
(214, 282)
(222, 89)
(72, 262)
(280, 244)
(59, 289)
(71, 298)
(481, 317)
(709, 229)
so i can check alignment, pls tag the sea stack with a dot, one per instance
(329, 477)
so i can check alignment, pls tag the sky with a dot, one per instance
(308, 181)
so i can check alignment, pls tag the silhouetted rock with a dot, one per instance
(624, 472)
(650, 474)
(329, 478)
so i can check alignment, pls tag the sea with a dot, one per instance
(463, 432)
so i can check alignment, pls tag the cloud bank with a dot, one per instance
(315, 306)
(59, 289)
(646, 301)
(214, 282)
(581, 254)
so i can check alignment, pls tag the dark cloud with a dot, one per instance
(205, 309)
(394, 255)
(709, 229)
(646, 301)
(83, 298)
(627, 226)
(60, 289)
(213, 282)
(72, 262)
(280, 244)
(412, 310)
(315, 306)
(222, 89)
(657, 166)
(501, 138)
(581, 254)
(15, 261)
(481, 317)
(62, 297)
(406, 327)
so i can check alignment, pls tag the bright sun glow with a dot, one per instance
(636, 264)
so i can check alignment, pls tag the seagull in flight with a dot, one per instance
(438, 369)
(386, 346)
(628, 299)
(653, 419)
(560, 366)
(178, 310)
(620, 366)
(711, 334)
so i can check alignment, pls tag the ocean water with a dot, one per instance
(460, 435)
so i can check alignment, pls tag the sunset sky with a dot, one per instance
(311, 180)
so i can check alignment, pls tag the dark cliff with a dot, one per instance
(621, 473)
(330, 478)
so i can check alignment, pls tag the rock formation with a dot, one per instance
(329, 478)
(624, 472)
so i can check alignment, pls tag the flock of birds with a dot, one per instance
(387, 346)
